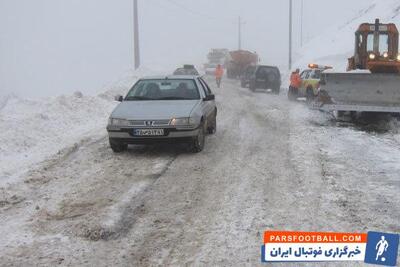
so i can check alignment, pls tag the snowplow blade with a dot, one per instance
(363, 92)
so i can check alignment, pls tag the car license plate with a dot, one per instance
(148, 132)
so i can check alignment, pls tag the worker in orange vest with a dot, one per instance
(295, 83)
(219, 72)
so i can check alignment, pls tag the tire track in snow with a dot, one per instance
(128, 209)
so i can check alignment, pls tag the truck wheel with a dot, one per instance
(199, 140)
(117, 146)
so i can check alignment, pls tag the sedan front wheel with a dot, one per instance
(116, 146)
(212, 129)
(199, 140)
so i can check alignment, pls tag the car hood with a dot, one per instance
(163, 109)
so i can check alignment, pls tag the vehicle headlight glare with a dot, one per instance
(386, 55)
(372, 56)
(398, 57)
(182, 121)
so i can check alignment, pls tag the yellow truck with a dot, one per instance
(311, 81)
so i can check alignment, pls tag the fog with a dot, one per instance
(51, 47)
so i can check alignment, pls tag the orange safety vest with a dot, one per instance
(295, 80)
(219, 72)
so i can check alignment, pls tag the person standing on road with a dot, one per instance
(219, 72)
(295, 83)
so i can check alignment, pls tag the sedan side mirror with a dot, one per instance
(209, 98)
(119, 98)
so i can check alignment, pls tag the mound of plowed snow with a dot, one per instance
(33, 130)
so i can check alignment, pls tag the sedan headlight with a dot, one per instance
(183, 121)
(118, 122)
(372, 56)
(398, 57)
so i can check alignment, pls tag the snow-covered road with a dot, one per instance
(272, 165)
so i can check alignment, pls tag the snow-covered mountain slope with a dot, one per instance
(336, 44)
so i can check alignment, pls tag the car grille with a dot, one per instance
(149, 123)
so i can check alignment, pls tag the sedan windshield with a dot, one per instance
(165, 89)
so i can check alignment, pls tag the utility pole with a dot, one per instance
(240, 23)
(301, 23)
(290, 33)
(136, 34)
(240, 33)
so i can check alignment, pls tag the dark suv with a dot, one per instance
(262, 77)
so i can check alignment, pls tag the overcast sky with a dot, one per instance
(49, 47)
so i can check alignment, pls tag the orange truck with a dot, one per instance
(238, 61)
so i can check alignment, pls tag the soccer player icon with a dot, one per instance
(381, 247)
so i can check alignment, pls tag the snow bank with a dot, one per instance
(336, 44)
(33, 130)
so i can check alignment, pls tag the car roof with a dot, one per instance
(171, 77)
